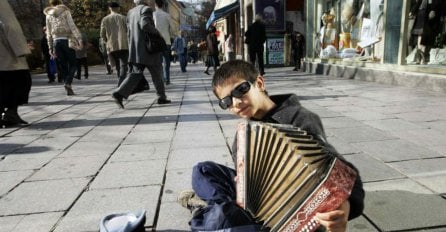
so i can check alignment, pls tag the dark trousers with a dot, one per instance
(297, 56)
(66, 58)
(81, 62)
(134, 77)
(215, 184)
(167, 58)
(121, 60)
(257, 54)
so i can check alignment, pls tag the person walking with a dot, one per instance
(297, 45)
(114, 34)
(81, 58)
(212, 50)
(163, 23)
(15, 77)
(255, 38)
(104, 55)
(140, 23)
(229, 48)
(60, 29)
(180, 48)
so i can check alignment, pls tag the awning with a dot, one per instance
(222, 8)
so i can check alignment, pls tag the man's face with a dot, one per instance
(247, 106)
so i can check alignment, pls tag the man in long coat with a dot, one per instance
(139, 23)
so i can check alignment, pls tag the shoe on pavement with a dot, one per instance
(162, 101)
(188, 199)
(167, 82)
(69, 90)
(118, 99)
(207, 72)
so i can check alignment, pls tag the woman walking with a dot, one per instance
(212, 48)
(63, 36)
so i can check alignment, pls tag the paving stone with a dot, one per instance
(42, 222)
(404, 184)
(342, 147)
(371, 169)
(366, 115)
(148, 137)
(139, 152)
(11, 179)
(359, 134)
(395, 150)
(418, 116)
(422, 167)
(130, 174)
(85, 148)
(188, 157)
(25, 162)
(187, 140)
(403, 210)
(176, 181)
(436, 182)
(42, 196)
(173, 217)
(340, 122)
(70, 167)
(86, 214)
(393, 124)
(361, 224)
(9, 144)
(422, 136)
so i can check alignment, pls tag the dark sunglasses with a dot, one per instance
(237, 92)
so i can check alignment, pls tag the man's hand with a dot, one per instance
(53, 55)
(335, 221)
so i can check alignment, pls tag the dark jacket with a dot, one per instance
(289, 111)
(140, 22)
(255, 36)
(212, 44)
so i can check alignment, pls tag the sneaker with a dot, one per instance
(167, 82)
(189, 200)
(162, 101)
(69, 90)
(207, 72)
(118, 99)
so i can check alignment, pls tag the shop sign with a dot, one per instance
(275, 50)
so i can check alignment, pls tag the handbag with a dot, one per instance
(52, 67)
(155, 42)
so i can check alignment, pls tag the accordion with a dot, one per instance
(284, 176)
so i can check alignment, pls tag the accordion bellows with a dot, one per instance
(284, 177)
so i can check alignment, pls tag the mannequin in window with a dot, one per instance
(329, 34)
(427, 15)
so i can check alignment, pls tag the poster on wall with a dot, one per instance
(275, 50)
(273, 13)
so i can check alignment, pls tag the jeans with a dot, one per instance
(121, 60)
(66, 57)
(215, 184)
(183, 61)
(166, 63)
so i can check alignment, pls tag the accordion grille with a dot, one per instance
(279, 167)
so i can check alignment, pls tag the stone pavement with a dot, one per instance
(82, 158)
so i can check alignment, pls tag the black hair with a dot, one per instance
(234, 68)
(159, 3)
